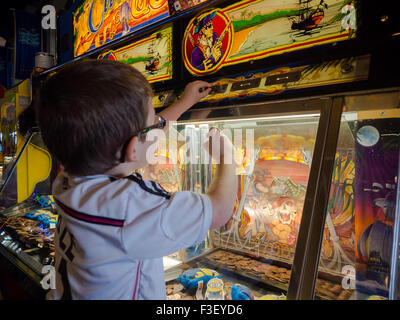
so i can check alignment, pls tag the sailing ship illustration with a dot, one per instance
(309, 16)
(153, 64)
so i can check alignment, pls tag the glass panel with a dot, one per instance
(256, 247)
(170, 174)
(357, 255)
(9, 148)
(1, 155)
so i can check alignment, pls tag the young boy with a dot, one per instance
(114, 227)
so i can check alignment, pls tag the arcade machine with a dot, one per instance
(25, 240)
(309, 93)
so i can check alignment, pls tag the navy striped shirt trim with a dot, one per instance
(90, 218)
(158, 190)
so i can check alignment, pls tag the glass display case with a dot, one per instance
(274, 154)
(257, 247)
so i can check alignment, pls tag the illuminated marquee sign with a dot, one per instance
(97, 22)
(255, 29)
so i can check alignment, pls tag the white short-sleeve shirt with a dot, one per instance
(113, 233)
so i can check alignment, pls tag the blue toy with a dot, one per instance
(46, 201)
(190, 278)
(240, 292)
(43, 216)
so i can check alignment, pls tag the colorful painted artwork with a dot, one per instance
(338, 243)
(278, 80)
(255, 29)
(176, 6)
(151, 55)
(207, 42)
(377, 168)
(97, 22)
(270, 202)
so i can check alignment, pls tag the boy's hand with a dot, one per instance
(195, 91)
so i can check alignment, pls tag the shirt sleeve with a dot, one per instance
(165, 226)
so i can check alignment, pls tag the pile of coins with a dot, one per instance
(269, 273)
(29, 232)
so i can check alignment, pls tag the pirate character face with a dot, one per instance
(205, 26)
(208, 30)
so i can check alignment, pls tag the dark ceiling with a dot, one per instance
(29, 6)
(34, 6)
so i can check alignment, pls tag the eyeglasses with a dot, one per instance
(160, 123)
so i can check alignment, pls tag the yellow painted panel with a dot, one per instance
(33, 167)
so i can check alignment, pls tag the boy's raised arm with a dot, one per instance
(223, 188)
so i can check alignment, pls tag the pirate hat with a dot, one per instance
(203, 22)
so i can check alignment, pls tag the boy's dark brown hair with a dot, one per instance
(88, 110)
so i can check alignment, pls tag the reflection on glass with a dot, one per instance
(9, 148)
(9, 133)
(1, 156)
(270, 200)
(357, 247)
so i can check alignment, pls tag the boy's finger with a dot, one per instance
(202, 89)
(212, 132)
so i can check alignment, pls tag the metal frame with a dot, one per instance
(305, 264)
(393, 285)
(24, 270)
(250, 110)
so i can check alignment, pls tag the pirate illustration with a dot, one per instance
(207, 51)
(152, 65)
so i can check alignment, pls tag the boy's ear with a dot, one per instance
(131, 150)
